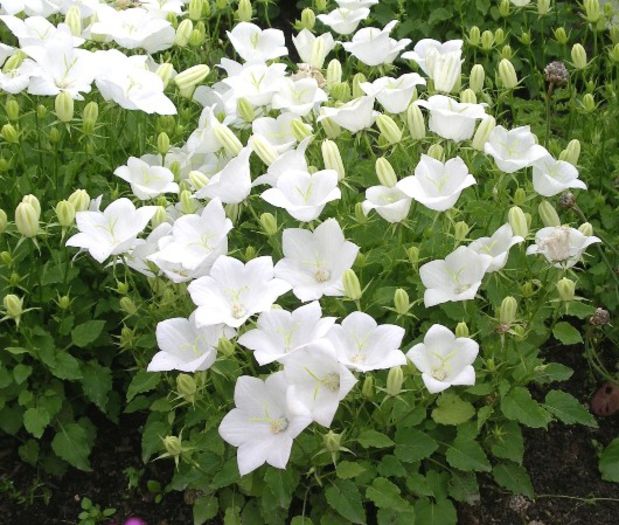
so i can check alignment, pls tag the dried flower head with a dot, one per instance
(308, 71)
(556, 74)
(600, 317)
(567, 200)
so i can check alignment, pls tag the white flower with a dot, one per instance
(234, 291)
(261, 425)
(521, 3)
(455, 278)
(255, 82)
(354, 116)
(390, 203)
(312, 49)
(36, 30)
(233, 183)
(298, 96)
(254, 44)
(111, 232)
(374, 47)
(344, 21)
(451, 119)
(147, 181)
(302, 194)
(551, 176)
(277, 131)
(185, 347)
(356, 4)
(426, 50)
(318, 382)
(363, 345)
(562, 246)
(514, 149)
(278, 333)
(497, 246)
(443, 359)
(435, 184)
(291, 160)
(393, 94)
(143, 249)
(314, 262)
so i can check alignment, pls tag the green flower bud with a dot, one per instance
(63, 105)
(520, 197)
(468, 96)
(401, 301)
(586, 229)
(614, 54)
(385, 173)
(321, 5)
(340, 92)
(187, 80)
(222, 4)
(525, 38)
(233, 212)
(14, 307)
(269, 224)
(437, 152)
(188, 203)
(560, 35)
(12, 109)
(128, 306)
(183, 33)
(474, 36)
(352, 287)
(368, 388)
(73, 19)
(487, 40)
(300, 130)
(244, 11)
(41, 111)
(163, 143)
(332, 158)
(461, 230)
(264, 150)
(543, 7)
(548, 214)
(173, 446)
(64, 302)
(332, 129)
(395, 379)
(506, 52)
(54, 135)
(592, 11)
(225, 347)
(186, 387)
(9, 134)
(528, 289)
(27, 219)
(507, 74)
(227, 139)
(571, 153)
(588, 103)
(197, 179)
(360, 215)
(90, 114)
(308, 19)
(245, 109)
(250, 253)
(334, 73)
(415, 122)
(159, 217)
(507, 311)
(65, 212)
(477, 78)
(194, 9)
(504, 8)
(14, 61)
(357, 80)
(579, 56)
(196, 38)
(165, 72)
(518, 221)
(566, 288)
(499, 36)
(3, 221)
(462, 330)
(6, 258)
(80, 200)
(389, 129)
(332, 441)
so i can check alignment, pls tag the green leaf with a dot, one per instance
(300, 520)
(462, 486)
(440, 512)
(553, 372)
(97, 383)
(21, 373)
(204, 509)
(152, 434)
(568, 409)
(386, 495)
(395, 517)
(143, 381)
(514, 478)
(609, 461)
(35, 421)
(343, 497)
(348, 469)
(413, 445)
(232, 516)
(509, 443)
(66, 366)
(518, 405)
(467, 454)
(84, 334)
(374, 439)
(452, 410)
(282, 484)
(566, 333)
(72, 443)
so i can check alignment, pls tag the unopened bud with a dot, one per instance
(244, 11)
(194, 9)
(507, 74)
(27, 219)
(395, 379)
(90, 114)
(437, 152)
(269, 224)
(332, 129)
(415, 121)
(368, 389)
(225, 347)
(332, 158)
(183, 33)
(518, 221)
(64, 302)
(165, 72)
(264, 150)
(525, 38)
(73, 20)
(613, 54)
(462, 329)
(586, 229)
(588, 103)
(186, 387)
(385, 173)
(360, 215)
(543, 7)
(63, 105)
(80, 200)
(300, 130)
(548, 214)
(3, 220)
(340, 92)
(592, 11)
(196, 38)
(477, 78)
(65, 213)
(567, 289)
(332, 441)
(197, 179)
(474, 36)
(245, 109)
(357, 80)
(128, 306)
(187, 80)
(9, 134)
(188, 203)
(352, 287)
(401, 301)
(571, 153)
(560, 35)
(227, 139)
(507, 311)
(520, 197)
(579, 56)
(499, 36)
(14, 307)
(389, 129)
(308, 19)
(163, 143)
(321, 5)
(487, 40)
(12, 109)
(506, 52)
(159, 217)
(173, 446)
(334, 73)
(504, 8)
(461, 230)
(468, 96)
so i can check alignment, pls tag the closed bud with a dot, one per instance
(507, 74)
(264, 150)
(3, 220)
(14, 307)
(165, 72)
(415, 122)
(340, 92)
(6, 258)
(543, 7)
(504, 8)
(183, 33)
(506, 52)
(194, 9)
(54, 135)
(508, 311)
(525, 38)
(332, 158)
(197, 179)
(64, 302)
(187, 80)
(34, 202)
(334, 73)
(300, 130)
(474, 36)
(588, 103)
(437, 152)
(520, 197)
(196, 38)
(268, 222)
(80, 200)
(233, 212)
(395, 379)
(65, 213)
(579, 56)
(73, 19)
(401, 301)
(385, 173)
(332, 441)
(477, 78)
(560, 35)
(27, 219)
(462, 330)
(12, 109)
(41, 111)
(566, 288)
(163, 143)
(389, 129)
(14, 61)
(468, 96)
(245, 109)
(188, 203)
(461, 230)
(571, 153)
(487, 40)
(518, 221)
(9, 134)
(592, 11)
(332, 129)
(321, 5)
(352, 287)
(222, 4)
(159, 217)
(90, 114)
(360, 215)
(586, 229)
(308, 19)
(548, 214)
(128, 306)
(173, 446)
(227, 139)
(614, 54)
(250, 253)
(225, 347)
(499, 36)
(368, 389)
(63, 106)
(357, 80)
(186, 387)
(244, 11)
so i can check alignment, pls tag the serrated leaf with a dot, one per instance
(374, 439)
(553, 372)
(518, 405)
(97, 383)
(439, 512)
(66, 366)
(343, 497)
(72, 443)
(566, 333)
(609, 461)
(452, 410)
(142, 381)
(204, 509)
(467, 455)
(568, 409)
(509, 444)
(462, 486)
(84, 334)
(348, 469)
(514, 478)
(386, 495)
(36, 420)
(413, 445)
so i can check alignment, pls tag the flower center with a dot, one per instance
(332, 382)
(321, 275)
(238, 310)
(439, 373)
(279, 425)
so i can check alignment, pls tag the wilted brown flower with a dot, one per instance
(556, 74)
